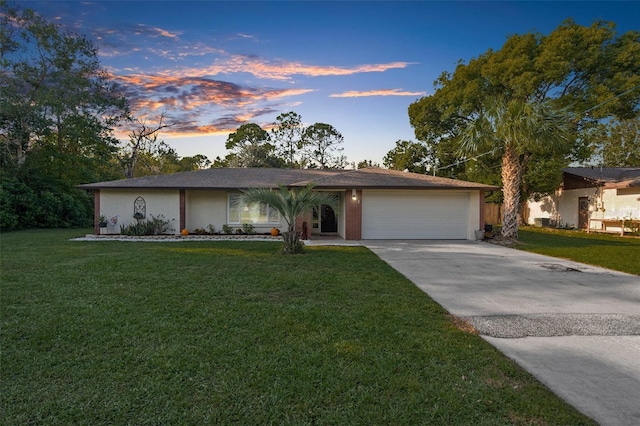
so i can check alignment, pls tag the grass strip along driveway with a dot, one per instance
(236, 333)
(608, 251)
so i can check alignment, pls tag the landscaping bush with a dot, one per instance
(154, 226)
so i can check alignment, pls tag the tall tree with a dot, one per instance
(323, 147)
(581, 68)
(54, 91)
(618, 143)
(287, 136)
(363, 164)
(143, 144)
(251, 146)
(58, 109)
(407, 155)
(291, 203)
(517, 130)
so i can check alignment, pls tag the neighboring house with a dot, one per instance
(374, 203)
(592, 198)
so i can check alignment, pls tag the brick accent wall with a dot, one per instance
(353, 215)
(305, 218)
(183, 221)
(96, 211)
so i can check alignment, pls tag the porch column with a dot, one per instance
(96, 211)
(301, 220)
(353, 215)
(183, 221)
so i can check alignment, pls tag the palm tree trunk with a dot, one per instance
(291, 240)
(511, 181)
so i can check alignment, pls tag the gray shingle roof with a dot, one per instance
(605, 174)
(242, 178)
(614, 177)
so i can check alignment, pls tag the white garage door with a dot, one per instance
(414, 215)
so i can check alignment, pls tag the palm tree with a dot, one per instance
(516, 128)
(290, 203)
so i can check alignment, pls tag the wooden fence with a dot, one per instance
(492, 213)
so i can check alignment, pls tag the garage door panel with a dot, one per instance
(414, 215)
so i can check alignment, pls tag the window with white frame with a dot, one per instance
(254, 213)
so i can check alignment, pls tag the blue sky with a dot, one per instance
(212, 66)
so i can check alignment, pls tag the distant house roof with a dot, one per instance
(608, 177)
(242, 178)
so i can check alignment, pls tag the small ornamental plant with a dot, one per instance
(248, 229)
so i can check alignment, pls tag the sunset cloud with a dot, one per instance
(202, 87)
(198, 105)
(284, 70)
(380, 92)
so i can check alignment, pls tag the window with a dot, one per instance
(254, 213)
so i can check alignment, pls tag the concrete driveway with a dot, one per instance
(575, 327)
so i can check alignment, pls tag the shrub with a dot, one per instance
(154, 226)
(23, 206)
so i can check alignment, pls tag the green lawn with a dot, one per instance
(609, 251)
(236, 333)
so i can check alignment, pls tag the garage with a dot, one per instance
(415, 214)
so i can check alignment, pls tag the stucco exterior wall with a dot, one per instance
(209, 207)
(118, 203)
(476, 206)
(562, 207)
(620, 204)
(205, 208)
(545, 208)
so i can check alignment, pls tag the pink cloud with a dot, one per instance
(379, 92)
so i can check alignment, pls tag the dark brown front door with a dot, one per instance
(583, 212)
(328, 221)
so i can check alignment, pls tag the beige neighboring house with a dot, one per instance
(598, 199)
(374, 203)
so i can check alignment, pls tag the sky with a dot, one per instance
(211, 66)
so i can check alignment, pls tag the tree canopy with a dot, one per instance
(289, 144)
(590, 71)
(515, 129)
(407, 155)
(287, 136)
(54, 92)
(322, 145)
(618, 143)
(251, 146)
(58, 113)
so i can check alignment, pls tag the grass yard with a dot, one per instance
(609, 251)
(236, 333)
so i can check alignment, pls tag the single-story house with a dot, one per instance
(591, 198)
(374, 203)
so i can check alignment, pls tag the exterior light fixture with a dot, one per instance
(354, 196)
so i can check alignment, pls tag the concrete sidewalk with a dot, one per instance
(575, 327)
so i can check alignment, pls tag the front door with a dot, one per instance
(328, 220)
(583, 212)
